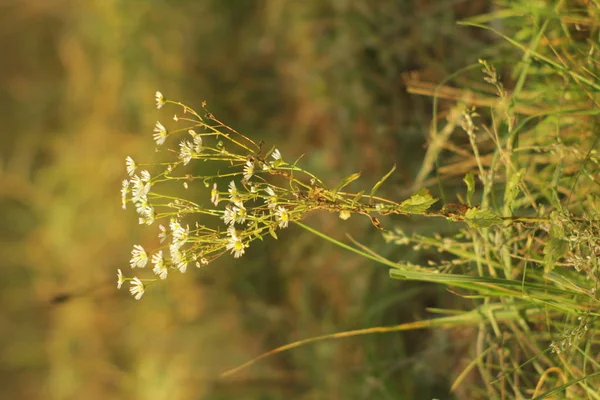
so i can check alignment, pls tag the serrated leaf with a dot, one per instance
(477, 218)
(469, 180)
(346, 181)
(380, 182)
(418, 202)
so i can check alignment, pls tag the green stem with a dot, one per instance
(350, 248)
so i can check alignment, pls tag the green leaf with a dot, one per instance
(272, 232)
(346, 181)
(553, 250)
(380, 182)
(418, 203)
(357, 198)
(512, 188)
(477, 218)
(469, 180)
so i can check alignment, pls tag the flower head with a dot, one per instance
(139, 189)
(160, 133)
(214, 195)
(160, 268)
(137, 288)
(248, 170)
(236, 246)
(234, 196)
(276, 155)
(186, 151)
(282, 217)
(160, 99)
(120, 279)
(180, 235)
(230, 215)
(139, 258)
(163, 233)
(130, 166)
(124, 191)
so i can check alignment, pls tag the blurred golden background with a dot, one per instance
(320, 78)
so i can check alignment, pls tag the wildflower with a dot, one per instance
(163, 233)
(233, 194)
(146, 177)
(276, 155)
(214, 195)
(186, 152)
(139, 258)
(160, 99)
(120, 279)
(282, 217)
(130, 165)
(197, 140)
(236, 246)
(137, 288)
(179, 234)
(146, 212)
(175, 253)
(182, 266)
(248, 170)
(160, 134)
(160, 268)
(139, 189)
(229, 215)
(272, 199)
(124, 191)
(240, 214)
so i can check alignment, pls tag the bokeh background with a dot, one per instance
(324, 78)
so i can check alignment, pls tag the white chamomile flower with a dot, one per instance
(229, 216)
(124, 191)
(160, 268)
(137, 288)
(240, 214)
(146, 212)
(276, 155)
(139, 189)
(160, 133)
(139, 258)
(186, 151)
(272, 199)
(234, 196)
(145, 176)
(282, 217)
(160, 99)
(175, 253)
(130, 165)
(120, 279)
(182, 266)
(197, 140)
(180, 235)
(214, 195)
(248, 170)
(163, 233)
(236, 246)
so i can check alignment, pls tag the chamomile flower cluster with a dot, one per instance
(254, 193)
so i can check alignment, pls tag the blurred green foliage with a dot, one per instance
(320, 78)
